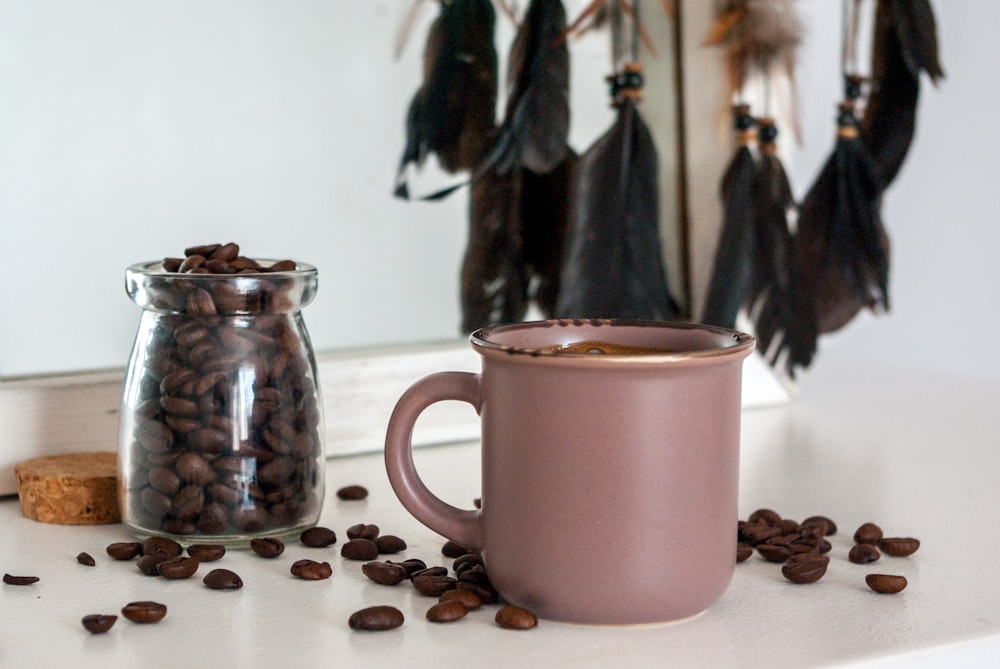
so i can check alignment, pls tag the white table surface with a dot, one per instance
(915, 452)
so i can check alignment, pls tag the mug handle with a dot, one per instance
(459, 525)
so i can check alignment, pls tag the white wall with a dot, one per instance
(941, 212)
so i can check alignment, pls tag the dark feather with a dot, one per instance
(905, 44)
(452, 114)
(777, 302)
(536, 122)
(544, 220)
(727, 287)
(614, 267)
(841, 243)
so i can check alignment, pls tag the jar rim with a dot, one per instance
(155, 268)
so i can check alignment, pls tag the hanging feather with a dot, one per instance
(614, 265)
(727, 288)
(778, 306)
(840, 242)
(452, 114)
(905, 44)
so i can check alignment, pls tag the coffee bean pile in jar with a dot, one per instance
(221, 431)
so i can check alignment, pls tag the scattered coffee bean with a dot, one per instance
(310, 570)
(353, 492)
(363, 531)
(359, 549)
(86, 559)
(429, 571)
(470, 599)
(805, 568)
(447, 612)
(453, 550)
(162, 545)
(97, 623)
(267, 547)
(487, 594)
(899, 546)
(766, 516)
(466, 561)
(178, 567)
(384, 573)
(432, 585)
(515, 618)
(124, 550)
(886, 584)
(475, 574)
(743, 552)
(149, 564)
(19, 580)
(863, 554)
(774, 552)
(376, 619)
(821, 521)
(144, 612)
(206, 552)
(868, 533)
(411, 566)
(223, 579)
(318, 537)
(389, 544)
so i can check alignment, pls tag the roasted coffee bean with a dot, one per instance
(869, 533)
(452, 549)
(766, 516)
(384, 573)
(743, 552)
(805, 568)
(178, 567)
(124, 550)
(886, 584)
(487, 594)
(283, 266)
(515, 618)
(829, 527)
(97, 623)
(411, 566)
(773, 552)
(144, 612)
(267, 547)
(150, 564)
(863, 554)
(899, 546)
(475, 574)
(204, 250)
(363, 531)
(376, 619)
(466, 561)
(470, 599)
(352, 492)
(19, 580)
(429, 571)
(86, 559)
(447, 612)
(757, 533)
(318, 537)
(389, 544)
(430, 585)
(359, 549)
(162, 545)
(788, 526)
(311, 570)
(206, 552)
(223, 579)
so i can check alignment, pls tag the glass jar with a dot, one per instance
(221, 427)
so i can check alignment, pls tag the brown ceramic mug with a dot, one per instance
(610, 468)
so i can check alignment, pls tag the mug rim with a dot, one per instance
(742, 344)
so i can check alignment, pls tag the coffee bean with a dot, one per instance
(863, 554)
(788, 526)
(206, 552)
(150, 564)
(384, 573)
(363, 531)
(515, 618)
(124, 550)
(144, 612)
(868, 533)
(805, 568)
(411, 566)
(168, 548)
(466, 561)
(453, 550)
(830, 527)
(447, 612)
(204, 250)
(766, 516)
(267, 547)
(223, 579)
(97, 623)
(470, 599)
(19, 580)
(899, 546)
(359, 549)
(487, 594)
(774, 553)
(178, 567)
(475, 574)
(743, 552)
(318, 537)
(757, 533)
(429, 571)
(432, 585)
(86, 559)
(886, 584)
(311, 570)
(376, 618)
(389, 544)
(353, 492)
